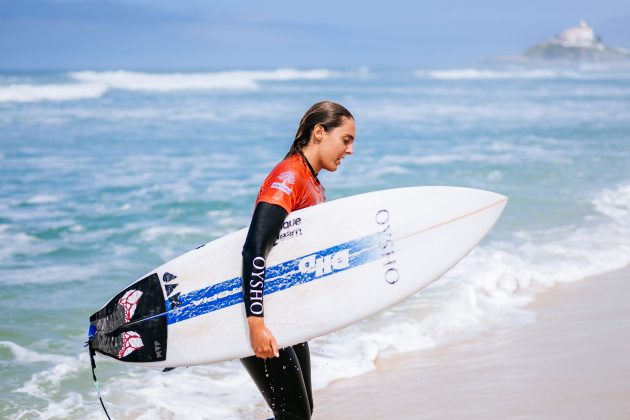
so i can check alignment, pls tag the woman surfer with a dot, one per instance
(324, 137)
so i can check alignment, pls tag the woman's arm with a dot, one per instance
(263, 232)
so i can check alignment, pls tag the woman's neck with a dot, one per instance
(312, 156)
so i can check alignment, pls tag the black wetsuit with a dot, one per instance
(285, 381)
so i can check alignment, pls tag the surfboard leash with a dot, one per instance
(93, 364)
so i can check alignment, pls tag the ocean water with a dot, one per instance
(108, 174)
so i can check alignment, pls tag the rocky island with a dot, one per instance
(579, 43)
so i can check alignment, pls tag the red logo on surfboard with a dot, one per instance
(131, 342)
(129, 302)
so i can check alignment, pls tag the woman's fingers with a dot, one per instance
(269, 351)
(265, 352)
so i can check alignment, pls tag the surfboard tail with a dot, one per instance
(132, 326)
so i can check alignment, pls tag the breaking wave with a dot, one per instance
(51, 92)
(23, 355)
(600, 71)
(94, 84)
(168, 82)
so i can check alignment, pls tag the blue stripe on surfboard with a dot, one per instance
(278, 277)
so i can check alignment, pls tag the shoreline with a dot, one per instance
(572, 362)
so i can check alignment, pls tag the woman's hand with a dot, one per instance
(262, 340)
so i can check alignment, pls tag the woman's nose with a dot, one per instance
(349, 149)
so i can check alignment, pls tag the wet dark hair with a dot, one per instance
(328, 114)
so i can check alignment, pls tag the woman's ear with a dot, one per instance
(318, 133)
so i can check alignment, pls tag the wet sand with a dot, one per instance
(573, 362)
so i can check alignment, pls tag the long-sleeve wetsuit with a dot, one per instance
(284, 381)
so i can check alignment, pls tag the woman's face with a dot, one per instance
(336, 144)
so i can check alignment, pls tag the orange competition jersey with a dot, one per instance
(291, 185)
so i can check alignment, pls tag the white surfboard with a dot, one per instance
(333, 265)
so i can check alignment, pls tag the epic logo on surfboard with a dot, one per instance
(326, 264)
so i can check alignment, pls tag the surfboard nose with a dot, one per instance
(499, 198)
(479, 194)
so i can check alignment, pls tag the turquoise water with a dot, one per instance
(108, 174)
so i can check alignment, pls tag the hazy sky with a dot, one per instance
(198, 35)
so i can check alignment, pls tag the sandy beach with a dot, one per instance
(573, 362)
